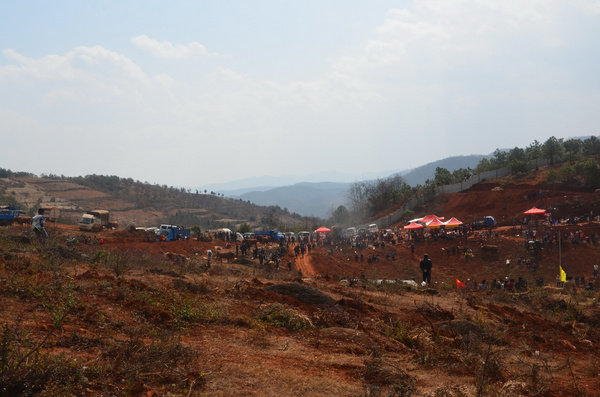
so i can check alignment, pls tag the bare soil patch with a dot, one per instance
(122, 318)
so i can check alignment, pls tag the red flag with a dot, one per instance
(460, 285)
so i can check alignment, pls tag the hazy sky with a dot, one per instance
(188, 93)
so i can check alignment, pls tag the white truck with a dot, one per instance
(304, 236)
(96, 220)
(289, 236)
(372, 228)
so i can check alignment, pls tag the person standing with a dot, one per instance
(37, 224)
(426, 266)
(208, 258)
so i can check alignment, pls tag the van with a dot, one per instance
(372, 228)
(350, 232)
(290, 236)
(248, 235)
(303, 236)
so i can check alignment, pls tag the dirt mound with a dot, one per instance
(346, 340)
(304, 293)
(517, 194)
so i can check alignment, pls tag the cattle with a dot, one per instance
(22, 220)
(224, 255)
(409, 283)
(406, 283)
(172, 256)
(263, 239)
(251, 241)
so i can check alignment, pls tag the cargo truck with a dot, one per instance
(8, 213)
(96, 220)
(172, 232)
(274, 235)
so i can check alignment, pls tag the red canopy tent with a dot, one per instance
(434, 224)
(534, 211)
(413, 226)
(429, 218)
(323, 229)
(453, 222)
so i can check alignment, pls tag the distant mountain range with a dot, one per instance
(419, 175)
(306, 198)
(310, 196)
(262, 183)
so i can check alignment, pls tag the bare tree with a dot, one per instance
(357, 196)
(368, 198)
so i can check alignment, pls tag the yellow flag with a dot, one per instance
(563, 275)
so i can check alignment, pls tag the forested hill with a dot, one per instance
(320, 199)
(137, 203)
(419, 175)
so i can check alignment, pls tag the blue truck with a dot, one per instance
(172, 232)
(8, 213)
(487, 222)
(274, 235)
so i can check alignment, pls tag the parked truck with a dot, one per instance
(96, 220)
(487, 222)
(274, 235)
(172, 232)
(8, 213)
(304, 236)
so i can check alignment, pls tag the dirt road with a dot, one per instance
(304, 264)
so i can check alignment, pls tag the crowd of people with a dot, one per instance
(375, 241)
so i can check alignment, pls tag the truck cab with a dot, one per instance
(89, 222)
(96, 220)
(9, 212)
(172, 232)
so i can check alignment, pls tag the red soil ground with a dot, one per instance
(541, 353)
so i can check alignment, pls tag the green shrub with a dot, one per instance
(399, 331)
(277, 316)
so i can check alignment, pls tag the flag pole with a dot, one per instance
(559, 251)
(562, 275)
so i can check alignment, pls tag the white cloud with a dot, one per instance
(223, 75)
(85, 74)
(443, 36)
(591, 6)
(438, 67)
(167, 50)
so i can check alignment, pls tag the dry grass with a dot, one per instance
(123, 322)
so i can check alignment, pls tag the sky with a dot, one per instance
(188, 93)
